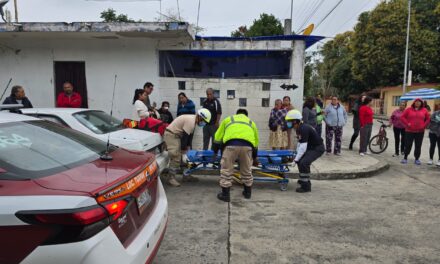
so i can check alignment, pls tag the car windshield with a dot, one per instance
(99, 122)
(34, 149)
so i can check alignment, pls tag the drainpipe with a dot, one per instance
(16, 11)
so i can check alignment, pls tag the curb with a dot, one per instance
(380, 167)
(343, 175)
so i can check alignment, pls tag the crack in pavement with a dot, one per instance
(408, 173)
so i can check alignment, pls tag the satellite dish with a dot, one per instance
(2, 4)
(309, 29)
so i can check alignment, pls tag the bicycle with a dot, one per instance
(379, 142)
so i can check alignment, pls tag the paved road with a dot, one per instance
(393, 217)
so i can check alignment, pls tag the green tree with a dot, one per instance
(379, 46)
(240, 32)
(373, 54)
(109, 15)
(171, 15)
(338, 58)
(266, 25)
(425, 12)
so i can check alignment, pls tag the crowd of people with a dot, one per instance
(237, 135)
(314, 114)
(290, 128)
(409, 125)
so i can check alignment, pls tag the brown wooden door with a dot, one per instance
(73, 72)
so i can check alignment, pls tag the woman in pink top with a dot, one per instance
(398, 129)
(415, 118)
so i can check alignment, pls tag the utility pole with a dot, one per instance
(291, 16)
(198, 16)
(407, 48)
(16, 11)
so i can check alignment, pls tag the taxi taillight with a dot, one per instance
(74, 225)
(116, 209)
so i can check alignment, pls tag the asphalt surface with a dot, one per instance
(393, 217)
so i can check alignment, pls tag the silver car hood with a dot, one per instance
(147, 139)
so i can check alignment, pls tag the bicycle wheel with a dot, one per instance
(378, 144)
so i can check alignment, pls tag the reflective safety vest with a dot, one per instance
(319, 118)
(237, 127)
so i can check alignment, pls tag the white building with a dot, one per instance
(41, 56)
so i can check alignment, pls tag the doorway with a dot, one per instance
(75, 73)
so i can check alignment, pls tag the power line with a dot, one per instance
(331, 11)
(306, 10)
(355, 14)
(311, 15)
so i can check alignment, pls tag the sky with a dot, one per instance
(217, 17)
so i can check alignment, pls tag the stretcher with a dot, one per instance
(272, 165)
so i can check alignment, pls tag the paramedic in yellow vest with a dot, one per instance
(237, 135)
(177, 137)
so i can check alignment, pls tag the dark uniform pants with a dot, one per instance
(310, 156)
(208, 135)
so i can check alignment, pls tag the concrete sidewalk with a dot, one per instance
(350, 165)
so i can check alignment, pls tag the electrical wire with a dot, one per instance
(357, 13)
(305, 10)
(311, 15)
(329, 13)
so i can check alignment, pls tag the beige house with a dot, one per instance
(390, 96)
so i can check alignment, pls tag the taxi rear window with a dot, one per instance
(34, 149)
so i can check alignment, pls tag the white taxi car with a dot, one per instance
(102, 126)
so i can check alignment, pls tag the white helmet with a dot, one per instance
(294, 115)
(204, 114)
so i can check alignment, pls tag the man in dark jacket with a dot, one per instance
(18, 97)
(356, 123)
(213, 105)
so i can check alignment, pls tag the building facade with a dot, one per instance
(96, 57)
(391, 96)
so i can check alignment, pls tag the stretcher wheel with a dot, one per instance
(283, 186)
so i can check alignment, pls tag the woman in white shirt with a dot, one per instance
(140, 110)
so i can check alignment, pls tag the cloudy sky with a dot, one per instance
(218, 17)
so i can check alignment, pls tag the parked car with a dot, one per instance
(61, 201)
(102, 126)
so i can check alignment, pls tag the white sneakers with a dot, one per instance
(362, 154)
(430, 162)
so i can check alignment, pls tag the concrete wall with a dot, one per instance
(252, 89)
(31, 64)
(29, 61)
(388, 101)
